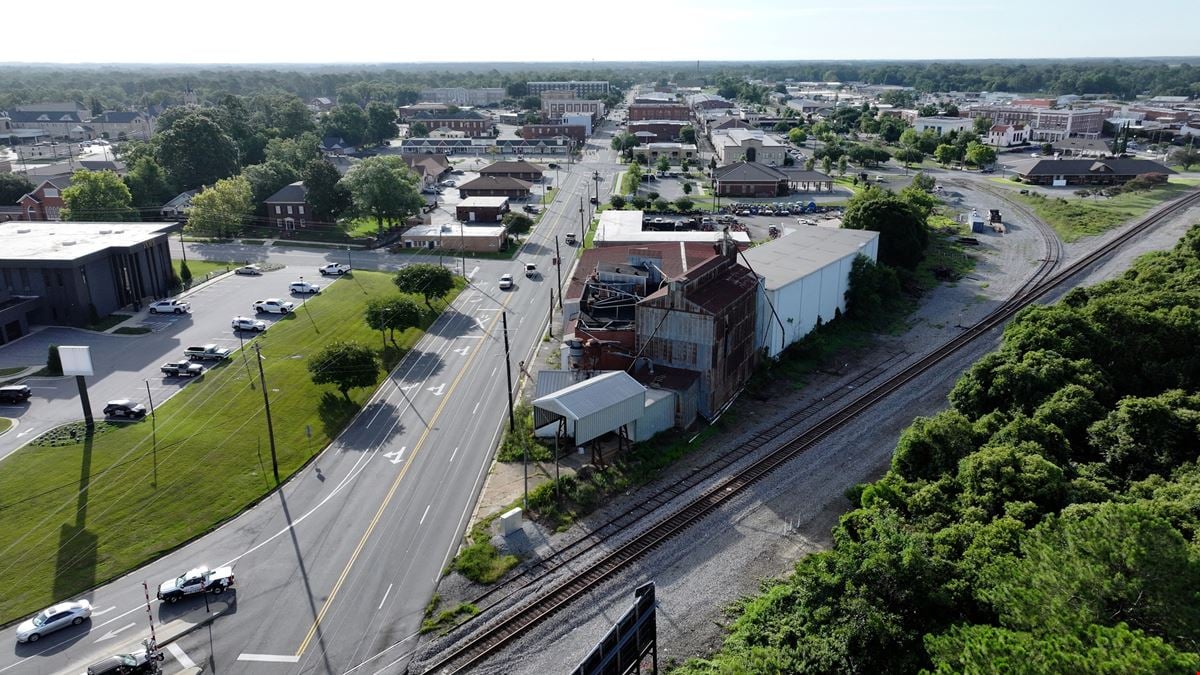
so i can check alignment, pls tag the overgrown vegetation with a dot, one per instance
(515, 445)
(449, 618)
(1079, 217)
(1046, 522)
(479, 560)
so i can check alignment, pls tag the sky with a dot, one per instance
(382, 31)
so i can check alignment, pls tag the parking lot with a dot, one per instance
(127, 366)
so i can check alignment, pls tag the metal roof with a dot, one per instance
(804, 251)
(597, 406)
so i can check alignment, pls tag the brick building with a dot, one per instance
(471, 123)
(656, 131)
(45, 202)
(518, 169)
(288, 208)
(581, 88)
(574, 132)
(495, 186)
(1046, 124)
(556, 108)
(658, 111)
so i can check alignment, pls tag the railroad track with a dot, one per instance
(490, 639)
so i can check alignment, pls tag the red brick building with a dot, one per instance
(495, 186)
(535, 131)
(288, 208)
(750, 179)
(45, 201)
(657, 111)
(518, 169)
(471, 123)
(656, 131)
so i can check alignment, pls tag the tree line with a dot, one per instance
(1045, 522)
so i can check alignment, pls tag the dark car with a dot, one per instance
(124, 408)
(15, 393)
(121, 664)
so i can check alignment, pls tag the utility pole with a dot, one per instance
(558, 270)
(262, 381)
(550, 322)
(181, 246)
(512, 420)
(582, 227)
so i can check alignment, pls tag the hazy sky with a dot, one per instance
(373, 31)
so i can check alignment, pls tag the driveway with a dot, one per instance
(126, 365)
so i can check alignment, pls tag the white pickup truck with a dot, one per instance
(272, 306)
(192, 582)
(334, 270)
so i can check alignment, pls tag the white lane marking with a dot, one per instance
(476, 408)
(533, 300)
(385, 594)
(103, 611)
(397, 456)
(424, 514)
(183, 659)
(113, 633)
(462, 351)
(410, 387)
(269, 658)
(474, 271)
(454, 453)
(438, 390)
(494, 371)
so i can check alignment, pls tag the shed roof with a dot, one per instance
(802, 252)
(599, 405)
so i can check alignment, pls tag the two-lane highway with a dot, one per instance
(335, 569)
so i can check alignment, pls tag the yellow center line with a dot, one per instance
(391, 492)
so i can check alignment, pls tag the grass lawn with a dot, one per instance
(5, 424)
(1074, 218)
(78, 515)
(362, 227)
(201, 268)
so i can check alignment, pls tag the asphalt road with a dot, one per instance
(126, 364)
(334, 570)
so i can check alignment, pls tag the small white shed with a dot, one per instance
(596, 406)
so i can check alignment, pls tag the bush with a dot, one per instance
(185, 274)
(617, 201)
(53, 361)
(517, 223)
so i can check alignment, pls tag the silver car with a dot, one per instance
(49, 620)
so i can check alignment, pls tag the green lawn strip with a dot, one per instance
(252, 242)
(108, 322)
(5, 424)
(479, 560)
(1074, 218)
(131, 330)
(284, 243)
(448, 618)
(202, 268)
(211, 461)
(4, 372)
(327, 233)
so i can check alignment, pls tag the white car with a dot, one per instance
(303, 287)
(334, 269)
(249, 271)
(506, 282)
(246, 323)
(272, 306)
(170, 307)
(49, 620)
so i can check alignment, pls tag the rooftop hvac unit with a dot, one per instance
(69, 242)
(23, 230)
(105, 231)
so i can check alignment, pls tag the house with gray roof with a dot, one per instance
(288, 208)
(750, 179)
(1104, 171)
(122, 125)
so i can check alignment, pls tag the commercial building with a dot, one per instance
(495, 186)
(481, 209)
(486, 146)
(463, 96)
(122, 125)
(575, 132)
(675, 152)
(625, 228)
(75, 273)
(1005, 135)
(656, 131)
(749, 145)
(1065, 172)
(430, 169)
(456, 237)
(658, 111)
(750, 179)
(803, 276)
(556, 108)
(472, 124)
(942, 125)
(1046, 124)
(707, 102)
(581, 88)
(519, 169)
(578, 120)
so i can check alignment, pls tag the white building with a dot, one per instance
(624, 228)
(943, 125)
(750, 145)
(1005, 135)
(803, 277)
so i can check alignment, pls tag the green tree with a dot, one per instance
(932, 446)
(1047, 149)
(97, 196)
(842, 165)
(1146, 435)
(13, 186)
(391, 314)
(424, 279)
(617, 201)
(923, 181)
(383, 188)
(945, 154)
(809, 163)
(687, 188)
(687, 134)
(684, 204)
(346, 121)
(221, 210)
(328, 197)
(267, 178)
(826, 165)
(1186, 157)
(195, 151)
(909, 138)
(294, 153)
(663, 164)
(418, 130)
(910, 156)
(797, 136)
(147, 183)
(517, 222)
(871, 289)
(981, 125)
(980, 154)
(921, 201)
(903, 234)
(661, 205)
(381, 122)
(346, 365)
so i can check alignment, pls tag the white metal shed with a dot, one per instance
(597, 406)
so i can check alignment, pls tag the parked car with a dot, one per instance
(184, 368)
(272, 306)
(199, 580)
(246, 323)
(249, 270)
(170, 307)
(303, 287)
(552, 165)
(208, 352)
(124, 407)
(531, 271)
(529, 208)
(54, 618)
(334, 269)
(15, 393)
(506, 282)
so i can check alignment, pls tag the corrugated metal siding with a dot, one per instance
(548, 382)
(658, 415)
(609, 418)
